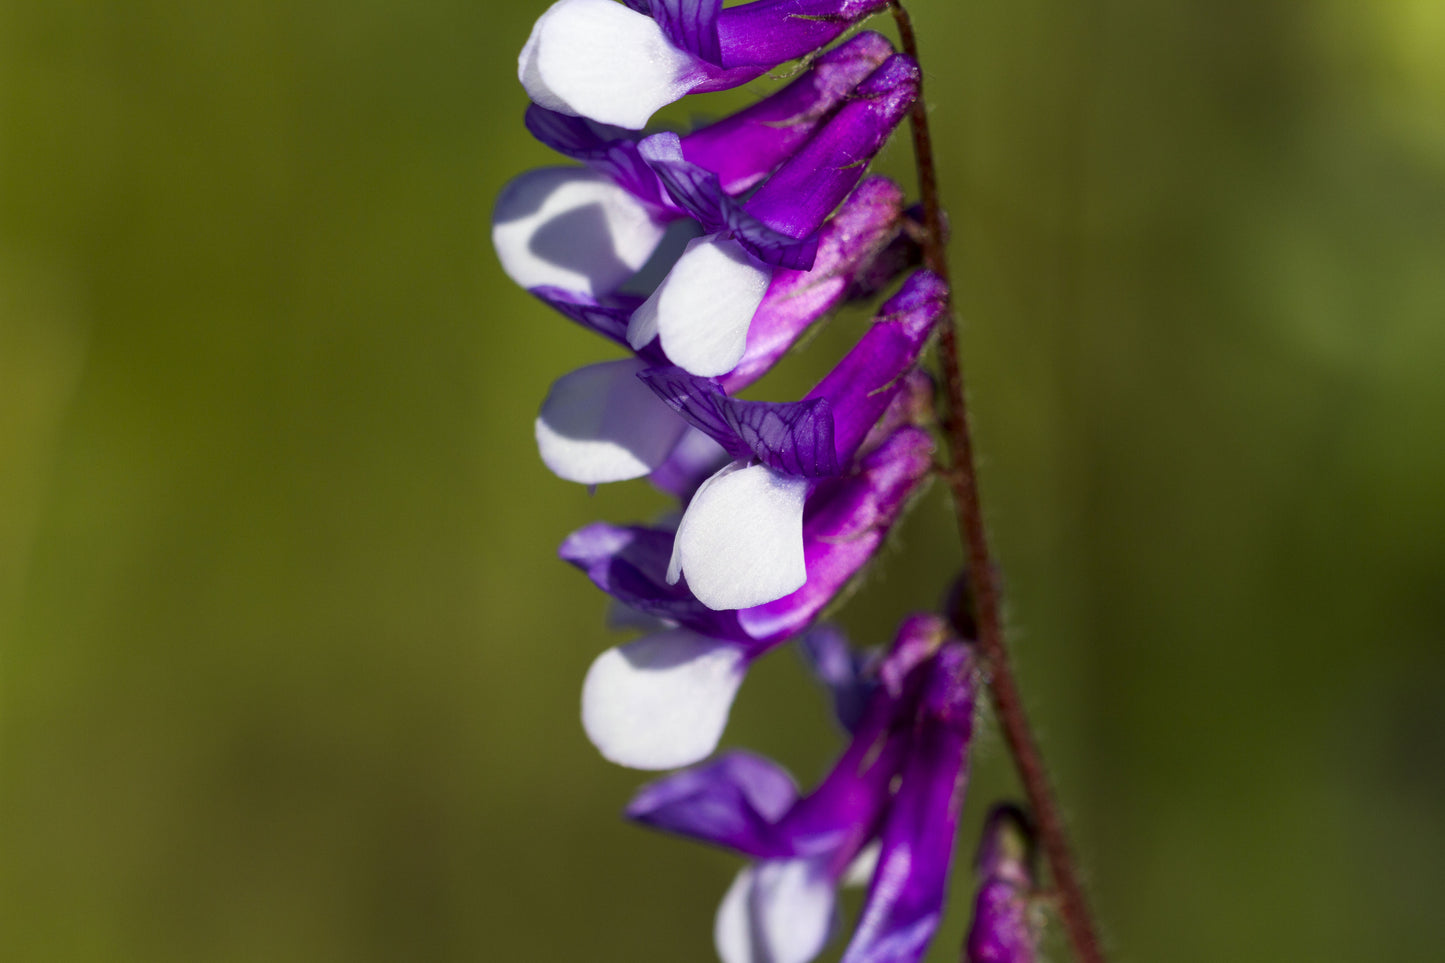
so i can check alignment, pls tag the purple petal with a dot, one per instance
(865, 382)
(814, 181)
(840, 816)
(691, 25)
(575, 137)
(733, 801)
(794, 438)
(630, 564)
(866, 222)
(699, 400)
(844, 522)
(773, 31)
(745, 147)
(839, 667)
(699, 192)
(606, 316)
(905, 899)
(1001, 931)
(610, 150)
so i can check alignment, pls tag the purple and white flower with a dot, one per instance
(601, 424)
(590, 229)
(618, 64)
(740, 540)
(702, 309)
(705, 256)
(632, 685)
(896, 788)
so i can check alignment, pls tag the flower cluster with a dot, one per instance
(704, 256)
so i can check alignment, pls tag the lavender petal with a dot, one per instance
(630, 564)
(794, 438)
(840, 668)
(733, 801)
(607, 149)
(691, 25)
(606, 316)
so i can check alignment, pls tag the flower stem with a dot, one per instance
(983, 577)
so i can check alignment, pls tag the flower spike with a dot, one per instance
(706, 254)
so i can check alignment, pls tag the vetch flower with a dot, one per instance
(1002, 930)
(897, 786)
(704, 255)
(703, 308)
(601, 424)
(740, 539)
(590, 229)
(741, 148)
(619, 64)
(689, 672)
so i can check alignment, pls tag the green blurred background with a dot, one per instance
(288, 669)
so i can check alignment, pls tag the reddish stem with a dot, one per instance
(962, 479)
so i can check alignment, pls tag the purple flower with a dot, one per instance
(601, 424)
(740, 540)
(1002, 931)
(689, 672)
(618, 64)
(702, 309)
(897, 787)
(590, 229)
(705, 256)
(741, 148)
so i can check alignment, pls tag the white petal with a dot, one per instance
(703, 307)
(662, 701)
(601, 424)
(571, 228)
(775, 912)
(599, 59)
(674, 564)
(740, 542)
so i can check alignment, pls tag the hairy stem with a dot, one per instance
(962, 479)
